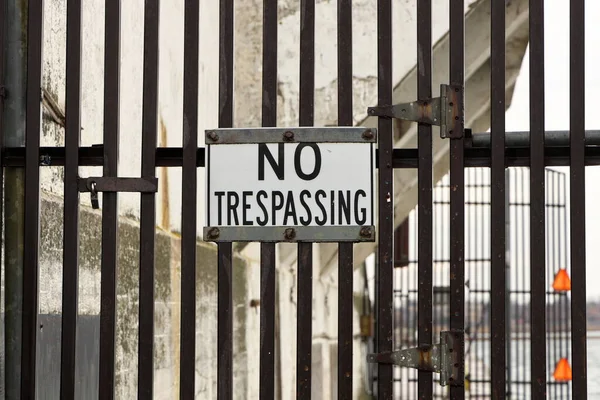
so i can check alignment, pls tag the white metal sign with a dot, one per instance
(313, 185)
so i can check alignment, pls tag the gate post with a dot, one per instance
(508, 289)
(14, 81)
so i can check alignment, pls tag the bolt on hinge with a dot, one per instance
(446, 111)
(445, 358)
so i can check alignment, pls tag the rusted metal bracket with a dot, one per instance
(446, 111)
(115, 184)
(446, 358)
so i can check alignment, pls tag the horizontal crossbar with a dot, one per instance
(402, 158)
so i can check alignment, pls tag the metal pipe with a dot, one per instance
(13, 129)
(521, 139)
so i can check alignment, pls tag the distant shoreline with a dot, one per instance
(592, 334)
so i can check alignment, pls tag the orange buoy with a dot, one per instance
(562, 372)
(562, 282)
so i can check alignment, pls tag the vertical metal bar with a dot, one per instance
(14, 125)
(148, 202)
(457, 186)
(225, 323)
(425, 206)
(71, 204)
(307, 62)
(537, 193)
(405, 324)
(225, 290)
(386, 198)
(520, 173)
(578, 261)
(509, 309)
(267, 320)
(345, 253)
(269, 64)
(470, 254)
(554, 262)
(562, 223)
(481, 253)
(109, 200)
(304, 330)
(345, 319)
(3, 28)
(516, 208)
(305, 250)
(2, 77)
(4, 50)
(267, 250)
(32, 194)
(344, 10)
(498, 277)
(556, 265)
(548, 277)
(188, 201)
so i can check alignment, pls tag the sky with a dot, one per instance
(557, 108)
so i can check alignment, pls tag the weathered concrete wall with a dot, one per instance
(167, 303)
(170, 106)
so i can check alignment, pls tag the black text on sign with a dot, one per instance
(290, 184)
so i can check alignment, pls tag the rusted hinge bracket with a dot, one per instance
(446, 358)
(115, 184)
(446, 111)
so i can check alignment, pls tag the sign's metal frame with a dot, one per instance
(290, 234)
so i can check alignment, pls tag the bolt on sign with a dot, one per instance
(293, 184)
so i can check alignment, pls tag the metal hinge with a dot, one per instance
(445, 358)
(114, 184)
(446, 111)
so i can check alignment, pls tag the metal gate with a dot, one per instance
(495, 152)
(477, 284)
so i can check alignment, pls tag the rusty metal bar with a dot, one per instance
(457, 190)
(224, 252)
(425, 201)
(498, 234)
(32, 194)
(537, 214)
(3, 55)
(577, 187)
(345, 250)
(114, 184)
(304, 321)
(267, 320)
(522, 138)
(71, 203)
(330, 134)
(187, 368)
(225, 322)
(148, 202)
(345, 319)
(267, 250)
(385, 272)
(401, 158)
(305, 250)
(109, 207)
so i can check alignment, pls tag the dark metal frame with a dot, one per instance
(190, 157)
(520, 289)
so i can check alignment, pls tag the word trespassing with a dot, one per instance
(321, 207)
